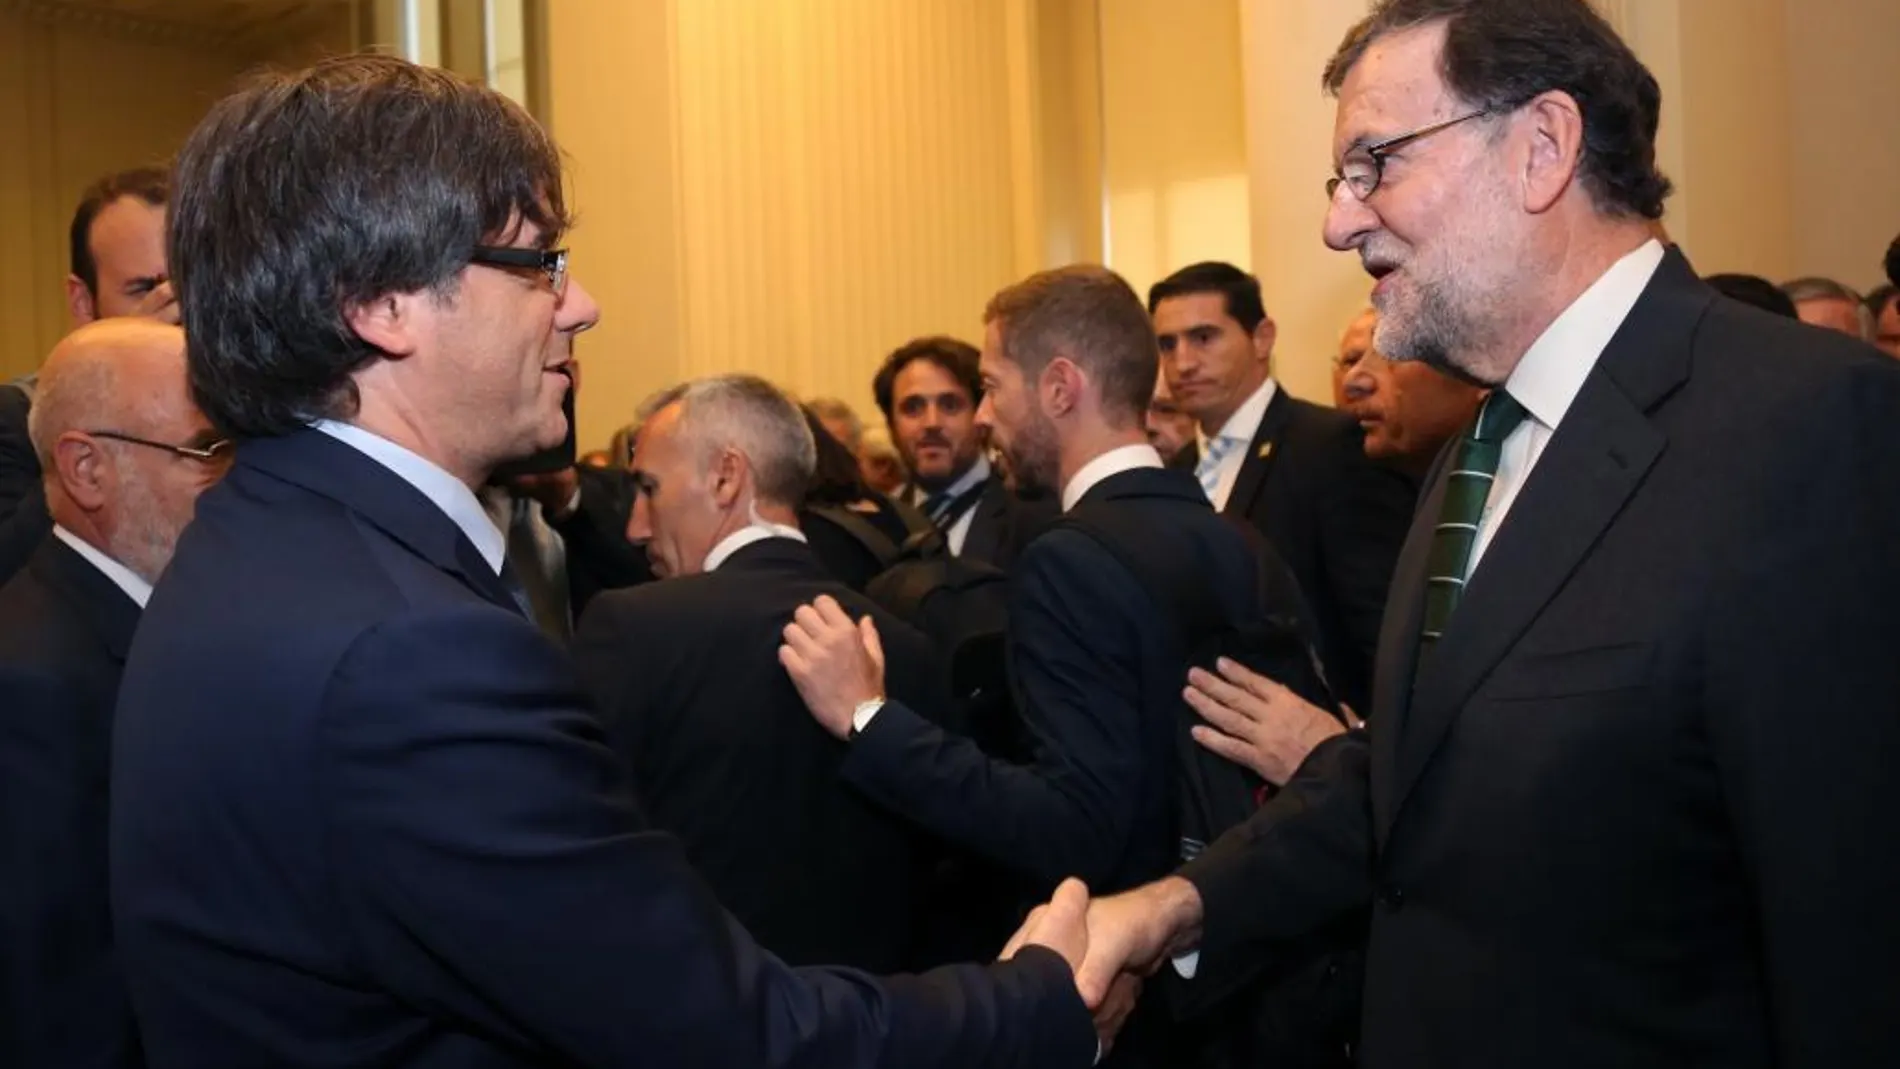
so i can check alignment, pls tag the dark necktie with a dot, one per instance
(935, 504)
(1466, 489)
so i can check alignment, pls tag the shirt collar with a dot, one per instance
(1245, 422)
(449, 493)
(1552, 370)
(124, 578)
(978, 472)
(745, 536)
(1113, 462)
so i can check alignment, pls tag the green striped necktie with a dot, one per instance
(1466, 489)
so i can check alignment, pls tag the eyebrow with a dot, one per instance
(144, 282)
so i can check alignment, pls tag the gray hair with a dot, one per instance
(72, 397)
(832, 408)
(750, 415)
(1816, 288)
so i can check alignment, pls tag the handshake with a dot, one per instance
(1114, 943)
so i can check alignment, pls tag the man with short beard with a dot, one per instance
(125, 454)
(1622, 798)
(1068, 366)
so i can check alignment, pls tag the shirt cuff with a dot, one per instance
(866, 712)
(1188, 964)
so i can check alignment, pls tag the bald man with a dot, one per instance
(125, 454)
(117, 247)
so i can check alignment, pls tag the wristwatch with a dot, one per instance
(861, 716)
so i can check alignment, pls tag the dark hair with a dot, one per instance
(1501, 54)
(1755, 290)
(956, 358)
(1893, 263)
(1090, 315)
(1241, 289)
(836, 480)
(312, 192)
(149, 184)
(1881, 297)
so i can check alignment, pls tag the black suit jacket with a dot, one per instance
(1005, 523)
(23, 518)
(1097, 680)
(64, 632)
(724, 754)
(364, 815)
(1336, 518)
(599, 557)
(1630, 809)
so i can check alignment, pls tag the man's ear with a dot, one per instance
(1556, 149)
(84, 470)
(728, 477)
(1264, 334)
(392, 322)
(80, 304)
(1060, 387)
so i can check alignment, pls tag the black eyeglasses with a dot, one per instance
(1364, 167)
(208, 453)
(551, 262)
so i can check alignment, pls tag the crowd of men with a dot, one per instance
(1532, 704)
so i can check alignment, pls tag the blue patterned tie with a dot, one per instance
(1208, 469)
(1466, 490)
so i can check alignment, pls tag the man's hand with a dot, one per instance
(1256, 722)
(836, 664)
(1134, 932)
(1061, 925)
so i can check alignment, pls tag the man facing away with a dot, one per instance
(685, 674)
(125, 454)
(362, 812)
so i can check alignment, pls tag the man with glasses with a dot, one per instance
(1622, 796)
(125, 454)
(117, 247)
(363, 813)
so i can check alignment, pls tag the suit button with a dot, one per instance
(1392, 897)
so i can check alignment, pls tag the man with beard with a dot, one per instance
(929, 391)
(1622, 797)
(125, 454)
(1068, 370)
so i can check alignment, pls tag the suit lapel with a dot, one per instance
(1397, 662)
(989, 522)
(1597, 459)
(1261, 453)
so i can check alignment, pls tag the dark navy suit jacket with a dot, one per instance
(64, 632)
(363, 816)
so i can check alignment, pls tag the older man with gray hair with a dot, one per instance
(685, 673)
(1823, 302)
(125, 453)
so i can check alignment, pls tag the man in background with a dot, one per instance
(1296, 471)
(1170, 430)
(116, 247)
(928, 390)
(1823, 302)
(1407, 408)
(685, 674)
(125, 454)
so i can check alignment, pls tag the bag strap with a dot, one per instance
(1146, 553)
(863, 531)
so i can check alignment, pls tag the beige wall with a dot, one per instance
(796, 189)
(1174, 136)
(1311, 292)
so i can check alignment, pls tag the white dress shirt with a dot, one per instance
(757, 531)
(1241, 426)
(122, 577)
(449, 493)
(1547, 379)
(957, 533)
(1113, 462)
